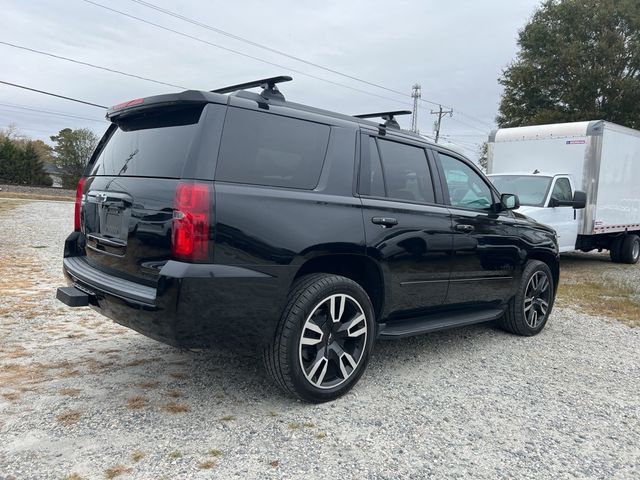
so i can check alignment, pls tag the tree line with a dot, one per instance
(22, 160)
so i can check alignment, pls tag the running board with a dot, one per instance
(441, 321)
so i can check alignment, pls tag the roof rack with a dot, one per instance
(269, 89)
(389, 117)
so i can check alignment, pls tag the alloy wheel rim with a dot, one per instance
(536, 299)
(333, 341)
(636, 249)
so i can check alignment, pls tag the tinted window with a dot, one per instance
(562, 190)
(466, 187)
(406, 173)
(371, 181)
(265, 149)
(152, 144)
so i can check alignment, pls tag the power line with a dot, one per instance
(52, 94)
(270, 49)
(87, 64)
(236, 52)
(49, 112)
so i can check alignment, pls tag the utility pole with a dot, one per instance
(416, 93)
(440, 113)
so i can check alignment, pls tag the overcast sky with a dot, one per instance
(456, 50)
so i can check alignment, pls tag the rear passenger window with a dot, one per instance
(406, 172)
(371, 181)
(265, 149)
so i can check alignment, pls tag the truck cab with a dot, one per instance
(548, 198)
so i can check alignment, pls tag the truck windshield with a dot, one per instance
(531, 190)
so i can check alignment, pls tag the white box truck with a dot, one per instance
(581, 178)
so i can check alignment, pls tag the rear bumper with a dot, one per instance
(193, 305)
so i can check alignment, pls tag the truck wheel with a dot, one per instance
(323, 340)
(529, 309)
(630, 249)
(616, 246)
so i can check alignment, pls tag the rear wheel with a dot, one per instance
(630, 249)
(324, 338)
(529, 310)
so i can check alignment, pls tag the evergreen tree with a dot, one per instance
(578, 60)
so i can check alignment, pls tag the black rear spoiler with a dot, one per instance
(188, 97)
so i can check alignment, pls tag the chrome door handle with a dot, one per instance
(384, 221)
(465, 228)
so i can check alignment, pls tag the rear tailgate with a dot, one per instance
(129, 194)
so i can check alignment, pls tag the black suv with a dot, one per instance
(307, 234)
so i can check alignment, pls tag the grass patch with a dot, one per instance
(175, 407)
(592, 284)
(309, 425)
(228, 418)
(136, 403)
(137, 456)
(116, 471)
(150, 384)
(320, 435)
(174, 393)
(207, 465)
(6, 205)
(615, 301)
(179, 375)
(214, 452)
(69, 418)
(69, 392)
(294, 425)
(175, 454)
(11, 396)
(73, 476)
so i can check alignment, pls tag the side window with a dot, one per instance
(371, 181)
(265, 149)
(406, 172)
(466, 188)
(562, 190)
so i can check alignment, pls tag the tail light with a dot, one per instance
(191, 222)
(78, 208)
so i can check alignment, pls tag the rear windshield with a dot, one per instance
(264, 149)
(153, 144)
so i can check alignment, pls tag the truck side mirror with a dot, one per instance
(579, 199)
(509, 201)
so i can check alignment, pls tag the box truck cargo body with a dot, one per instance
(550, 166)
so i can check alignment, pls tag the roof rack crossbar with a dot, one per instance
(389, 117)
(268, 85)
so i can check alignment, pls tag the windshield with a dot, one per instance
(531, 190)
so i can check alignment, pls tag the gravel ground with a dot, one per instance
(82, 395)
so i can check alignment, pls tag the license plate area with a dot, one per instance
(112, 226)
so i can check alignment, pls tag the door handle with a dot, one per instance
(384, 221)
(465, 228)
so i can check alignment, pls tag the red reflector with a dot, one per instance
(190, 235)
(130, 103)
(78, 206)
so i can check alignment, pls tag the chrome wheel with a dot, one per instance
(636, 251)
(536, 299)
(333, 340)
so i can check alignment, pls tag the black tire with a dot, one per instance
(284, 357)
(614, 251)
(630, 249)
(516, 319)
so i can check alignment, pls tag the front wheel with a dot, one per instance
(529, 310)
(322, 344)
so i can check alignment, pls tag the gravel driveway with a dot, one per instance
(85, 398)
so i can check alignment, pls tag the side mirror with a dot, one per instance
(509, 201)
(579, 199)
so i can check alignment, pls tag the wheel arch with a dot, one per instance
(552, 261)
(362, 269)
